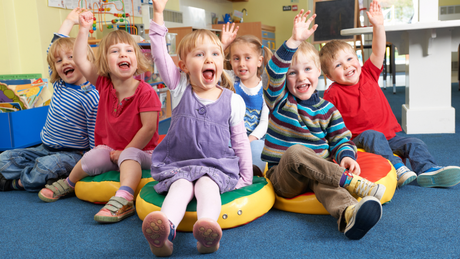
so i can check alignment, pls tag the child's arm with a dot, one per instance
(240, 141)
(87, 68)
(228, 35)
(277, 67)
(70, 21)
(169, 73)
(379, 37)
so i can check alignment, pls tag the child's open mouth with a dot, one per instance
(208, 75)
(124, 65)
(351, 73)
(303, 87)
(68, 71)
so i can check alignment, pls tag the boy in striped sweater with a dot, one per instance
(69, 126)
(306, 132)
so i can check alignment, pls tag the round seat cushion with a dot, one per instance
(239, 206)
(100, 188)
(374, 168)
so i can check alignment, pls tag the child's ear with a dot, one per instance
(261, 61)
(182, 66)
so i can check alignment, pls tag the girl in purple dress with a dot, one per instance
(194, 159)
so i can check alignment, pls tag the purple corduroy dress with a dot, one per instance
(197, 144)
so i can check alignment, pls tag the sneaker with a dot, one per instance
(117, 209)
(5, 184)
(208, 233)
(362, 216)
(159, 232)
(55, 191)
(363, 187)
(441, 177)
(405, 176)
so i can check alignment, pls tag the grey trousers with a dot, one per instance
(301, 170)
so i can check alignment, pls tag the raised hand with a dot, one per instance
(74, 15)
(301, 30)
(86, 20)
(375, 14)
(228, 34)
(159, 5)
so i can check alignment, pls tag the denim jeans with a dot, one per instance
(256, 149)
(405, 147)
(34, 166)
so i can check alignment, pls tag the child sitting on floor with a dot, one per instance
(69, 126)
(366, 112)
(126, 125)
(306, 132)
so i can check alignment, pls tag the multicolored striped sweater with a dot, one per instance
(314, 123)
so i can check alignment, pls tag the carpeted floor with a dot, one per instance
(417, 223)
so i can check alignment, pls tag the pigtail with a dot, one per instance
(226, 81)
(267, 54)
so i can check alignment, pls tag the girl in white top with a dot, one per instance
(248, 58)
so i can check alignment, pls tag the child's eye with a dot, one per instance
(291, 73)
(199, 55)
(236, 59)
(307, 69)
(58, 60)
(349, 59)
(248, 58)
(338, 65)
(215, 54)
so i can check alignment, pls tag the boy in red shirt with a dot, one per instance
(367, 114)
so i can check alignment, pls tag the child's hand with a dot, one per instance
(301, 31)
(74, 15)
(114, 155)
(228, 34)
(86, 20)
(375, 13)
(159, 5)
(350, 164)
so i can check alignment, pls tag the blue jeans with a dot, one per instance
(256, 149)
(34, 166)
(405, 147)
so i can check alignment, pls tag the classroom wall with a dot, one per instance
(449, 2)
(270, 12)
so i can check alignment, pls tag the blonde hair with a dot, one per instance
(258, 48)
(67, 44)
(188, 43)
(329, 51)
(309, 51)
(114, 37)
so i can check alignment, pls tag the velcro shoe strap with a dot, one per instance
(115, 203)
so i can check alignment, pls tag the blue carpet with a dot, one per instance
(418, 222)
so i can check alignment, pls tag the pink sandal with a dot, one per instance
(208, 233)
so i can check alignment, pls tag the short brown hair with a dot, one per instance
(114, 37)
(63, 43)
(188, 43)
(307, 49)
(260, 49)
(330, 50)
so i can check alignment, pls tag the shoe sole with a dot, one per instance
(114, 219)
(208, 233)
(366, 217)
(406, 179)
(156, 230)
(447, 177)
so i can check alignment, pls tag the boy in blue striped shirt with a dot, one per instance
(306, 132)
(69, 126)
